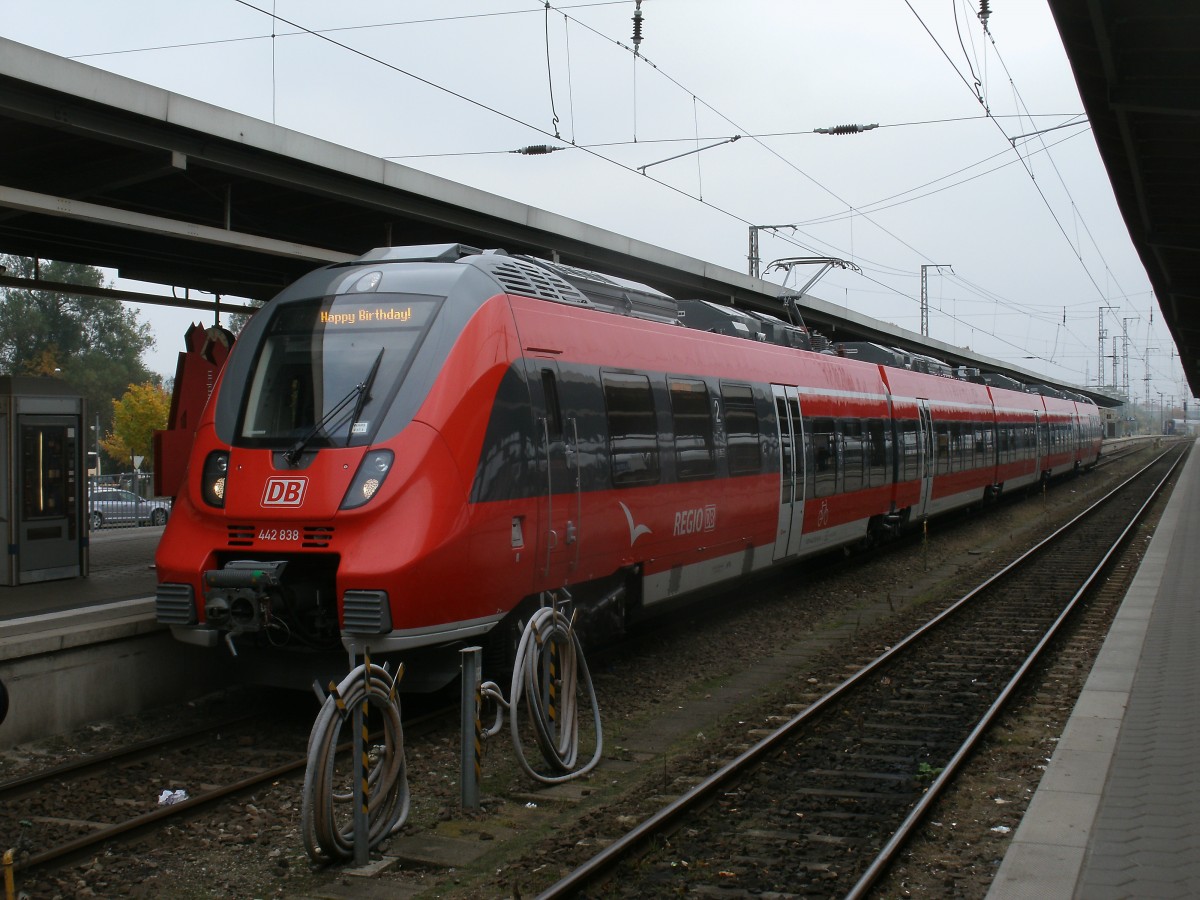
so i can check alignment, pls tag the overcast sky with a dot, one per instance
(1027, 223)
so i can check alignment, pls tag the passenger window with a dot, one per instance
(824, 442)
(878, 450)
(982, 445)
(744, 450)
(692, 424)
(942, 439)
(632, 429)
(852, 455)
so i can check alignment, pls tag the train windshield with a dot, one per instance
(326, 368)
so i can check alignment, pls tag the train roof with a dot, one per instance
(560, 283)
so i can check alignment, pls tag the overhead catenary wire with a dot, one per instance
(300, 32)
(550, 72)
(810, 246)
(1037, 187)
(637, 57)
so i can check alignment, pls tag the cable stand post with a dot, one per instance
(551, 682)
(471, 737)
(362, 791)
(378, 794)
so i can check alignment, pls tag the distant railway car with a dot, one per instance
(1018, 461)
(404, 452)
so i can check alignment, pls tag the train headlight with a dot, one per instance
(369, 477)
(212, 483)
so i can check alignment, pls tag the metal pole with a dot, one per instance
(925, 296)
(472, 659)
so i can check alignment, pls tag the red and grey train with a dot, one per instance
(405, 451)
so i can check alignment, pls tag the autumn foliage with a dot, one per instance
(139, 412)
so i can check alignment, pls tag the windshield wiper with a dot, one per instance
(359, 391)
(364, 395)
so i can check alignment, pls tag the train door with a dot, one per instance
(1040, 444)
(928, 457)
(791, 471)
(561, 503)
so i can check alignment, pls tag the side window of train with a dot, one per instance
(692, 423)
(824, 442)
(852, 455)
(984, 449)
(941, 439)
(632, 429)
(743, 447)
(877, 453)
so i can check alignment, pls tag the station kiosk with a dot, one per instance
(43, 499)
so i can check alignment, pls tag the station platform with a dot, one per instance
(82, 650)
(122, 569)
(1117, 813)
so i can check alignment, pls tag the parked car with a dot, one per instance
(110, 506)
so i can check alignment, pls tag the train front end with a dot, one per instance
(327, 496)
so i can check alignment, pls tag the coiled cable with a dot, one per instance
(388, 796)
(550, 687)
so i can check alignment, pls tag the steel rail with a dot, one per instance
(570, 883)
(183, 806)
(900, 837)
(23, 782)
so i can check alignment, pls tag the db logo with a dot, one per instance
(284, 491)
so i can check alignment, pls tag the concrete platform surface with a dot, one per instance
(122, 568)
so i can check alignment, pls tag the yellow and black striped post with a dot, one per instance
(362, 771)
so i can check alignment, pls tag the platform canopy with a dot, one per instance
(1137, 65)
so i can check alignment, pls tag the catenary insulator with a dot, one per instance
(637, 25)
(846, 129)
(536, 150)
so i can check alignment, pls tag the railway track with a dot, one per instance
(821, 806)
(55, 813)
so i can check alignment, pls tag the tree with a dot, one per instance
(93, 343)
(141, 411)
